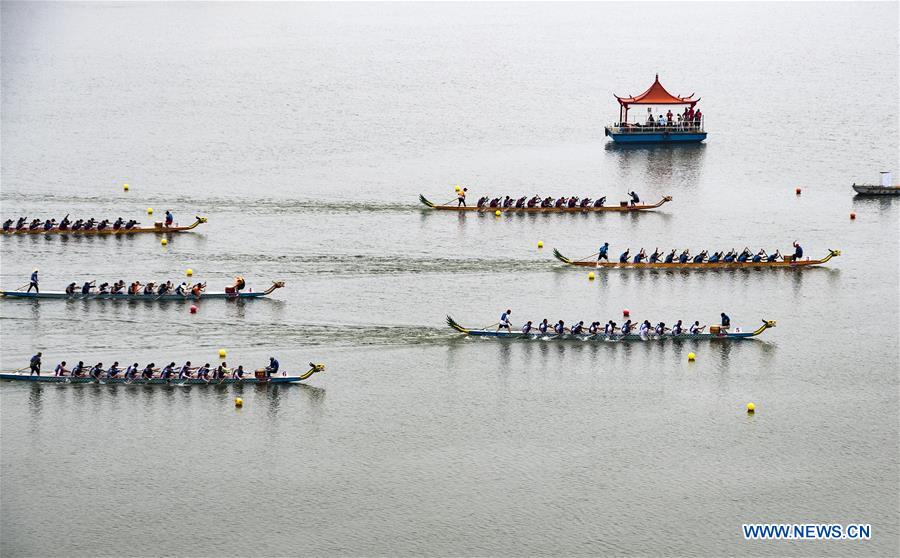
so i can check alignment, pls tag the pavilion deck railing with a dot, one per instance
(670, 127)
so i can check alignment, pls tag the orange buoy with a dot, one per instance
(626, 312)
(798, 190)
(852, 216)
(193, 308)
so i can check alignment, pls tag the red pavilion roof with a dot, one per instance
(657, 95)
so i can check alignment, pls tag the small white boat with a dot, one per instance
(886, 188)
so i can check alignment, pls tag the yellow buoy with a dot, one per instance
(591, 276)
(222, 353)
(125, 186)
(164, 242)
(189, 272)
(751, 408)
(238, 402)
(457, 188)
(540, 243)
(149, 211)
(691, 357)
(497, 213)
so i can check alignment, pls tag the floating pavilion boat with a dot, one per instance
(787, 262)
(157, 228)
(886, 188)
(713, 335)
(639, 132)
(229, 294)
(622, 207)
(259, 377)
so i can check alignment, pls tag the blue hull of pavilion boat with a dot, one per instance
(657, 137)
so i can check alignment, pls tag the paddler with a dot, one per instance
(644, 329)
(181, 290)
(578, 328)
(504, 321)
(113, 371)
(35, 364)
(560, 328)
(64, 224)
(96, 370)
(654, 257)
(20, 224)
(726, 321)
(238, 374)
(670, 257)
(131, 371)
(118, 224)
(626, 327)
(543, 326)
(49, 224)
(715, 257)
(197, 289)
(623, 257)
(78, 369)
(103, 288)
(221, 370)
(774, 257)
(33, 283)
(639, 257)
(527, 327)
(149, 288)
(600, 202)
(603, 253)
(118, 286)
(661, 329)
(185, 371)
(699, 258)
(168, 371)
(273, 367)
(798, 252)
(203, 372)
(147, 372)
(35, 224)
(594, 328)
(60, 369)
(86, 288)
(609, 328)
(7, 225)
(696, 328)
(677, 329)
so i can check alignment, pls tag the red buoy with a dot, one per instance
(626, 312)
(193, 308)
(852, 216)
(798, 191)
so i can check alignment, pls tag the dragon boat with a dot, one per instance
(622, 207)
(786, 262)
(258, 377)
(719, 335)
(141, 296)
(157, 228)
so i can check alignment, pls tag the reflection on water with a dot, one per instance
(658, 162)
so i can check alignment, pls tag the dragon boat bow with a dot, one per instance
(259, 377)
(144, 297)
(786, 262)
(622, 207)
(722, 336)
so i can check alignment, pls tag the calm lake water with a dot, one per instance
(305, 133)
